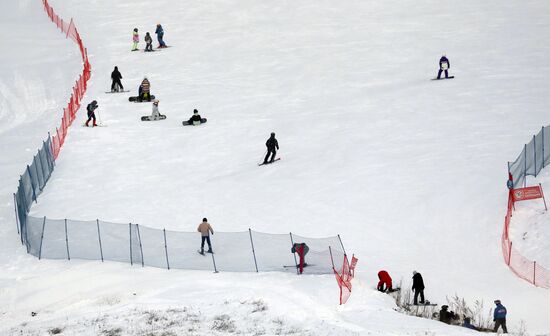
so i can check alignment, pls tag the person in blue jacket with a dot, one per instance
(444, 65)
(160, 36)
(499, 317)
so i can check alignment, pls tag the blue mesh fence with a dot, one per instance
(247, 251)
(532, 159)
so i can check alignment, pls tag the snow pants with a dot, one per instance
(416, 293)
(116, 82)
(272, 152)
(134, 46)
(161, 41)
(206, 239)
(440, 71)
(91, 116)
(500, 322)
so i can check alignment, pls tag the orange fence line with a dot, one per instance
(79, 89)
(521, 266)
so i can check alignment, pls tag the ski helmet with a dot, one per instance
(195, 111)
(94, 102)
(135, 29)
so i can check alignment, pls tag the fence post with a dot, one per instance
(343, 249)
(253, 252)
(525, 165)
(140, 248)
(294, 254)
(214, 262)
(543, 159)
(534, 272)
(32, 185)
(166, 249)
(99, 237)
(535, 153)
(131, 257)
(67, 241)
(510, 254)
(42, 238)
(16, 216)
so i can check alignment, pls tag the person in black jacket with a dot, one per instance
(195, 119)
(91, 112)
(272, 146)
(445, 315)
(444, 65)
(116, 76)
(148, 42)
(418, 287)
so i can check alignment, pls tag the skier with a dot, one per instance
(418, 287)
(444, 65)
(272, 146)
(145, 89)
(155, 115)
(386, 280)
(499, 316)
(91, 112)
(205, 229)
(302, 249)
(160, 35)
(149, 42)
(135, 39)
(116, 76)
(445, 315)
(195, 119)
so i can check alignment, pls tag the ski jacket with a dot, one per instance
(90, 109)
(500, 312)
(418, 282)
(384, 278)
(148, 38)
(116, 74)
(446, 316)
(272, 143)
(205, 229)
(145, 86)
(195, 118)
(159, 31)
(444, 60)
(135, 37)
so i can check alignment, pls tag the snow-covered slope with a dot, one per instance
(410, 172)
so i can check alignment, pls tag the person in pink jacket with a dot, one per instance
(135, 39)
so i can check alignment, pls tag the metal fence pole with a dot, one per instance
(253, 252)
(42, 238)
(17, 217)
(525, 165)
(32, 186)
(131, 257)
(213, 259)
(294, 254)
(140, 248)
(166, 249)
(67, 241)
(543, 158)
(535, 153)
(99, 238)
(341, 244)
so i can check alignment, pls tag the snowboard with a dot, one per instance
(117, 91)
(262, 164)
(148, 118)
(426, 304)
(450, 77)
(136, 99)
(185, 123)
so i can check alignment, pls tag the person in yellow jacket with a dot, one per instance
(205, 229)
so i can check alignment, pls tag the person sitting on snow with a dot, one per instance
(195, 119)
(145, 90)
(446, 316)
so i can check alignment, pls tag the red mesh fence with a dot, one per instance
(524, 268)
(344, 277)
(79, 89)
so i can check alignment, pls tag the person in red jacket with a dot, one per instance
(385, 282)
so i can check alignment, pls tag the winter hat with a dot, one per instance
(273, 134)
(444, 307)
(205, 220)
(195, 111)
(415, 272)
(135, 29)
(497, 301)
(156, 101)
(94, 102)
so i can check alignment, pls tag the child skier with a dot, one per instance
(160, 35)
(135, 39)
(149, 42)
(91, 112)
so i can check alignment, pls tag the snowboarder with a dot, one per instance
(135, 39)
(155, 115)
(445, 315)
(444, 65)
(499, 317)
(116, 76)
(418, 287)
(149, 42)
(195, 119)
(302, 249)
(385, 283)
(144, 89)
(91, 112)
(272, 146)
(205, 229)
(160, 36)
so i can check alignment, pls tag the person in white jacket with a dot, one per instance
(156, 114)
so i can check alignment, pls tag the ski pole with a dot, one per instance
(99, 119)
(263, 156)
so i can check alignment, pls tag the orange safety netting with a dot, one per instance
(79, 89)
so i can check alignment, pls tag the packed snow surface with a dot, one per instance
(410, 172)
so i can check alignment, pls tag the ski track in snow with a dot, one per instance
(410, 172)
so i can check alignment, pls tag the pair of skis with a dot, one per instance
(266, 163)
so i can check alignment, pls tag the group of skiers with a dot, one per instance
(445, 316)
(159, 31)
